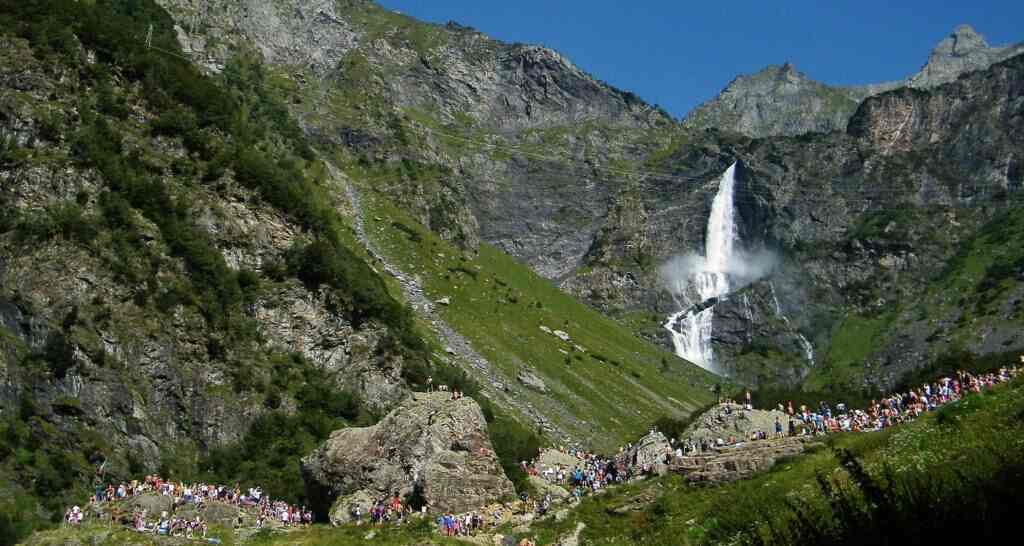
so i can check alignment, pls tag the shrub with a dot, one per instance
(271, 451)
(514, 443)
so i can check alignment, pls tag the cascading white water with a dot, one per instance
(805, 344)
(691, 328)
(808, 348)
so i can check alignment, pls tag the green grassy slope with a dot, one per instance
(609, 392)
(979, 290)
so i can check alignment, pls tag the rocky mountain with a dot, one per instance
(778, 100)
(201, 261)
(148, 311)
(782, 101)
(854, 217)
(596, 192)
(230, 229)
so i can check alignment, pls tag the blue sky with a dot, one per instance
(681, 53)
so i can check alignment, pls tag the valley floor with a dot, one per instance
(970, 453)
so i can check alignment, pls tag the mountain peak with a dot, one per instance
(964, 40)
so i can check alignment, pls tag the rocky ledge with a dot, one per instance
(740, 461)
(430, 448)
(733, 420)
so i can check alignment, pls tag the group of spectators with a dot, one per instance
(891, 410)
(461, 526)
(589, 472)
(195, 495)
(384, 510)
(170, 526)
(886, 412)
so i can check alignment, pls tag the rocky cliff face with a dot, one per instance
(848, 215)
(430, 446)
(961, 52)
(781, 101)
(595, 190)
(360, 70)
(452, 70)
(110, 347)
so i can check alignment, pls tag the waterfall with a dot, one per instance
(691, 328)
(808, 348)
(805, 344)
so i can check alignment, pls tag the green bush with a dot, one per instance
(513, 443)
(19, 517)
(66, 220)
(11, 154)
(271, 451)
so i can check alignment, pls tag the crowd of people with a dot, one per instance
(587, 472)
(461, 526)
(170, 526)
(195, 495)
(883, 413)
(383, 510)
(892, 410)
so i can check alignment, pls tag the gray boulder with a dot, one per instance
(725, 420)
(553, 458)
(647, 454)
(544, 487)
(153, 504)
(430, 444)
(532, 380)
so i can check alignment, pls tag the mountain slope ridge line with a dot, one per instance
(625, 174)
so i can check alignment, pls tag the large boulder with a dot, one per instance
(725, 420)
(553, 458)
(648, 454)
(213, 512)
(430, 445)
(544, 487)
(152, 503)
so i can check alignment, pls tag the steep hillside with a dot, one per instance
(188, 287)
(174, 266)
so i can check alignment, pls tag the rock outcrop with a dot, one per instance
(963, 51)
(647, 455)
(732, 420)
(531, 380)
(739, 461)
(430, 447)
(778, 100)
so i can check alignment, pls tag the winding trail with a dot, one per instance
(499, 388)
